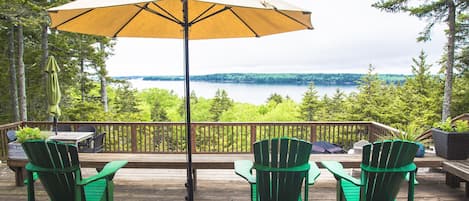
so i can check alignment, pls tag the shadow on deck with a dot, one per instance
(168, 185)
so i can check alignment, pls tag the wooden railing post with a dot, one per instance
(371, 133)
(253, 137)
(313, 133)
(133, 137)
(193, 140)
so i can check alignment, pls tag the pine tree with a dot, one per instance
(221, 102)
(368, 104)
(158, 113)
(125, 100)
(276, 98)
(434, 11)
(309, 104)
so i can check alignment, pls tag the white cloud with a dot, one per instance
(348, 36)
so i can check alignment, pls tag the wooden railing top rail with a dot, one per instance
(11, 125)
(207, 123)
(384, 126)
(464, 116)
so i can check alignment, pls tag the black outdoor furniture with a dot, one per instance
(11, 135)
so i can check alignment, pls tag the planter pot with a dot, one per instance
(421, 151)
(451, 145)
(15, 151)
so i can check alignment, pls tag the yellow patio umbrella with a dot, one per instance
(53, 90)
(184, 19)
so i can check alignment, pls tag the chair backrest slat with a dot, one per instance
(384, 186)
(54, 156)
(280, 153)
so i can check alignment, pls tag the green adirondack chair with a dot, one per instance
(385, 165)
(57, 166)
(282, 167)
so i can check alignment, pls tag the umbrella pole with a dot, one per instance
(189, 184)
(54, 126)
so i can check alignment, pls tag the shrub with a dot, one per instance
(27, 133)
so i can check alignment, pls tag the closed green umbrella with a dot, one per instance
(53, 89)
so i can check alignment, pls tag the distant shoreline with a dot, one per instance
(281, 78)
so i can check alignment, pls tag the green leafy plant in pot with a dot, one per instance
(412, 133)
(27, 133)
(15, 149)
(451, 139)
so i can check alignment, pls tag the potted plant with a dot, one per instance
(412, 133)
(26, 133)
(451, 139)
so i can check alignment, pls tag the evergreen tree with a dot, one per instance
(158, 113)
(275, 97)
(434, 11)
(368, 104)
(309, 104)
(221, 102)
(125, 100)
(335, 107)
(420, 95)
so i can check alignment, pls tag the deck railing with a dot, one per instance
(213, 137)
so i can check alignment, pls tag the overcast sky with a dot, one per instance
(347, 37)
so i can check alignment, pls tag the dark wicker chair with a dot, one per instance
(97, 144)
(63, 127)
(11, 135)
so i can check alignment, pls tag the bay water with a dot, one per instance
(241, 92)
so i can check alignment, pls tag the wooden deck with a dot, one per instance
(167, 185)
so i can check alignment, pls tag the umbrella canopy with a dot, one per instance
(53, 89)
(163, 18)
(185, 19)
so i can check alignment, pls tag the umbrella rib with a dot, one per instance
(76, 16)
(159, 14)
(215, 13)
(245, 23)
(128, 21)
(292, 18)
(168, 13)
(203, 13)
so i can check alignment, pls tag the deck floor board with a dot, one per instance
(168, 185)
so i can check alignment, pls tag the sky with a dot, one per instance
(347, 37)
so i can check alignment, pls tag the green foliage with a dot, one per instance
(275, 97)
(461, 126)
(449, 126)
(309, 104)
(126, 100)
(27, 133)
(158, 113)
(445, 125)
(221, 102)
(411, 132)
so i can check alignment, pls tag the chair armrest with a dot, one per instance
(108, 171)
(313, 173)
(243, 168)
(338, 170)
